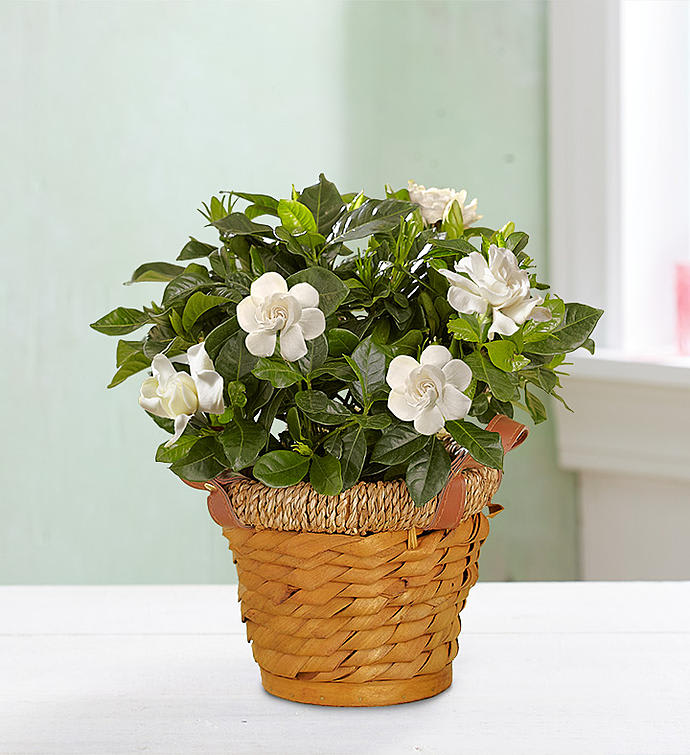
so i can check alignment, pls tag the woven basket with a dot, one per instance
(354, 599)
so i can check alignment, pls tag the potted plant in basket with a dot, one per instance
(341, 373)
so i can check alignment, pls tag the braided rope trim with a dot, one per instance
(367, 507)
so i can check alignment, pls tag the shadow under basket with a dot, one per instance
(354, 599)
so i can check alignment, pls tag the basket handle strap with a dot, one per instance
(219, 504)
(451, 503)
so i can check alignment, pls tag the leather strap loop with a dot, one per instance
(219, 503)
(451, 504)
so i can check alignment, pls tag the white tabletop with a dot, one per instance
(553, 668)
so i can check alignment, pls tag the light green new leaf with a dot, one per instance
(296, 217)
(453, 223)
(120, 321)
(501, 353)
(466, 328)
(483, 446)
(428, 471)
(177, 451)
(325, 475)
(279, 469)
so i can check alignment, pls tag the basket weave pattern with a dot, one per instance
(342, 614)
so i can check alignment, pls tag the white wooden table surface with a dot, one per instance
(553, 668)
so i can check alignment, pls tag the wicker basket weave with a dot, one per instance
(354, 599)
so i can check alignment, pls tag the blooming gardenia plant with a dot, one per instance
(340, 338)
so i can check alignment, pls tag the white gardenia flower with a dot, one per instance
(430, 391)
(435, 203)
(271, 309)
(178, 395)
(500, 285)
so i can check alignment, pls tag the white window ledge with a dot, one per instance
(631, 415)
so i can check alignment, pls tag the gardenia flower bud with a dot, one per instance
(271, 309)
(429, 392)
(177, 395)
(500, 284)
(435, 203)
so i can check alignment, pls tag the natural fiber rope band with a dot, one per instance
(367, 507)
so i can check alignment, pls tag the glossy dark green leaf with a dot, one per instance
(374, 421)
(335, 369)
(325, 475)
(398, 444)
(120, 321)
(194, 249)
(194, 278)
(125, 349)
(263, 199)
(197, 304)
(332, 291)
(325, 203)
(201, 463)
(578, 323)
(369, 362)
(279, 373)
(219, 335)
(482, 445)
(503, 385)
(319, 408)
(279, 469)
(372, 216)
(234, 361)
(517, 241)
(341, 341)
(428, 471)
(317, 351)
(242, 442)
(155, 272)
(353, 452)
(178, 451)
(238, 224)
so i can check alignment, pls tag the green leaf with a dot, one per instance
(278, 373)
(325, 475)
(317, 351)
(180, 288)
(294, 423)
(194, 249)
(589, 345)
(483, 446)
(453, 223)
(163, 422)
(219, 335)
(296, 217)
(238, 224)
(409, 344)
(341, 341)
(503, 385)
(334, 369)
(242, 442)
(501, 353)
(134, 363)
(196, 305)
(332, 291)
(120, 321)
(466, 328)
(125, 349)
(428, 471)
(155, 271)
(453, 246)
(325, 203)
(352, 455)
(579, 321)
(263, 199)
(517, 241)
(398, 444)
(179, 450)
(257, 210)
(373, 421)
(372, 216)
(234, 361)
(201, 463)
(535, 407)
(319, 408)
(369, 362)
(279, 469)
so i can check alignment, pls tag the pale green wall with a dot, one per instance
(119, 119)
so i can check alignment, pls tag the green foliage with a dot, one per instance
(377, 268)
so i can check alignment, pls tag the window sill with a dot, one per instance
(631, 416)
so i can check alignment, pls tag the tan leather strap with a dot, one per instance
(451, 504)
(219, 504)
